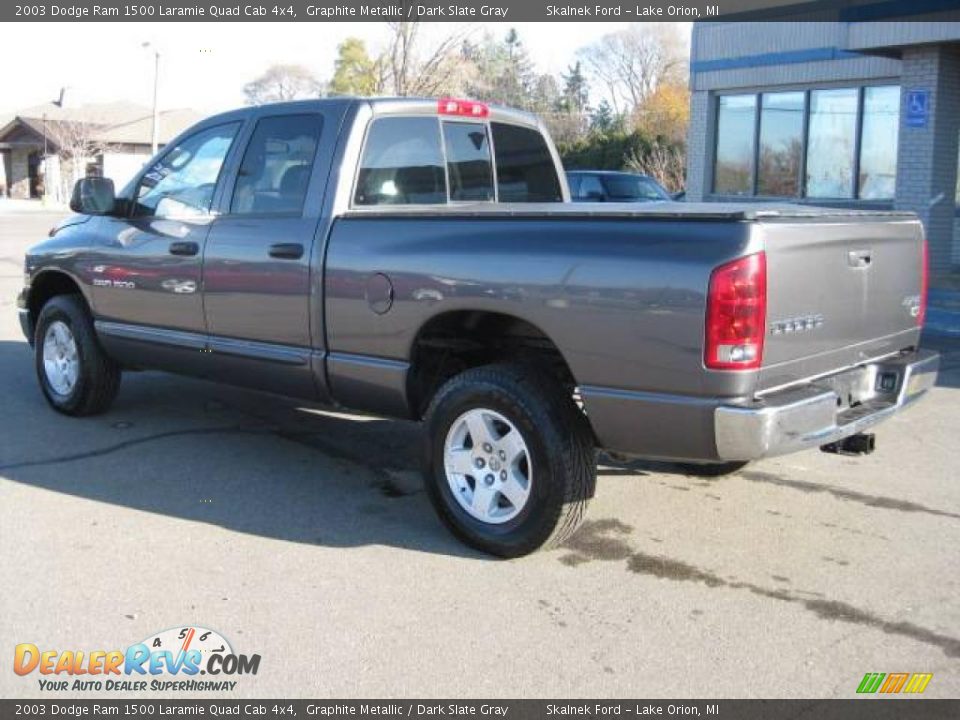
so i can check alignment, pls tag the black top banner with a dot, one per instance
(508, 11)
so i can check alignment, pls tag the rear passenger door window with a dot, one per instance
(276, 166)
(469, 166)
(525, 169)
(402, 163)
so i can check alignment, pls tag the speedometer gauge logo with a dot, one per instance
(181, 640)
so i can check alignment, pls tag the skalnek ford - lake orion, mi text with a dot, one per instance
(628, 11)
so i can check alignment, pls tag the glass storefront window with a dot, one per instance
(781, 143)
(736, 120)
(878, 142)
(957, 199)
(830, 143)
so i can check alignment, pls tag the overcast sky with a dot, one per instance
(205, 65)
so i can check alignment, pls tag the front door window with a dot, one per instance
(182, 182)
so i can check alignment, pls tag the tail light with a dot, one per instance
(736, 314)
(924, 283)
(462, 108)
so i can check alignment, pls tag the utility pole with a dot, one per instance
(156, 111)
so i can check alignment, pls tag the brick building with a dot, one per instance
(862, 111)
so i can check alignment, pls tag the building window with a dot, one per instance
(736, 125)
(878, 143)
(805, 143)
(781, 143)
(832, 138)
(957, 198)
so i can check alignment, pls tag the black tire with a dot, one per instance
(561, 448)
(711, 469)
(98, 376)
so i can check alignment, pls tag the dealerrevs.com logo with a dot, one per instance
(172, 660)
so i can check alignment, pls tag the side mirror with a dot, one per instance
(93, 196)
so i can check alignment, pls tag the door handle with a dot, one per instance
(184, 248)
(287, 251)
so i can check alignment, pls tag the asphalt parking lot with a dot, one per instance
(304, 535)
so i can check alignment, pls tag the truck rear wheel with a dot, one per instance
(75, 374)
(511, 463)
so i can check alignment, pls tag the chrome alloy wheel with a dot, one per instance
(488, 466)
(61, 365)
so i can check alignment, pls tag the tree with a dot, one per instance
(576, 93)
(662, 161)
(354, 73)
(283, 82)
(407, 71)
(665, 113)
(505, 74)
(631, 63)
(603, 120)
(76, 145)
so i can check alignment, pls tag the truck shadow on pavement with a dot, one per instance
(246, 461)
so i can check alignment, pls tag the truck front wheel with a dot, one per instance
(510, 459)
(75, 375)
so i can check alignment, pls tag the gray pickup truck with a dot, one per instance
(421, 259)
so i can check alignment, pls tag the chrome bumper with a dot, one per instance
(817, 414)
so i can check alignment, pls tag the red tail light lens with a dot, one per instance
(462, 108)
(924, 283)
(737, 314)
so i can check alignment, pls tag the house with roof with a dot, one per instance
(45, 148)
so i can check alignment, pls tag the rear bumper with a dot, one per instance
(711, 430)
(816, 414)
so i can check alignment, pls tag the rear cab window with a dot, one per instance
(425, 160)
(402, 163)
(469, 166)
(525, 169)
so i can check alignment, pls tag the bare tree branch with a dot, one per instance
(632, 63)
(663, 162)
(404, 73)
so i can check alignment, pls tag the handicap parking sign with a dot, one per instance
(918, 108)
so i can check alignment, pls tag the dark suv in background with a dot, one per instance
(613, 186)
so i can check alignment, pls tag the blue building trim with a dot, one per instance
(776, 58)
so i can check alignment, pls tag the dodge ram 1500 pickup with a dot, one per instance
(421, 259)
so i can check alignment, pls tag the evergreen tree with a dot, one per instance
(575, 90)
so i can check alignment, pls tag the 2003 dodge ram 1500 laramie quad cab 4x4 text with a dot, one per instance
(421, 259)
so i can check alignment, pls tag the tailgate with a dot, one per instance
(838, 293)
